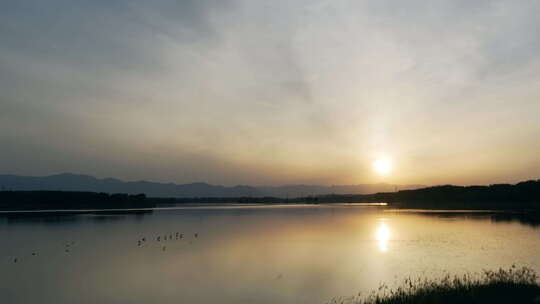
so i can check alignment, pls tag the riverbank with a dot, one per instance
(514, 285)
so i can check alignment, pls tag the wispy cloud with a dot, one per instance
(271, 92)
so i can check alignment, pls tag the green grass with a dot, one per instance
(514, 285)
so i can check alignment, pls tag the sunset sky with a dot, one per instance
(272, 92)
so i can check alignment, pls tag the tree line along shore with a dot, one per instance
(520, 196)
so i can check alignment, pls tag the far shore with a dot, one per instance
(523, 197)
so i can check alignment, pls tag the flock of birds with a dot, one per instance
(170, 237)
(140, 242)
(67, 247)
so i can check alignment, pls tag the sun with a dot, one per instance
(382, 166)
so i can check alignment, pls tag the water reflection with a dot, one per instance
(276, 254)
(382, 236)
(531, 218)
(67, 218)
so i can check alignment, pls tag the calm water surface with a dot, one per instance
(253, 254)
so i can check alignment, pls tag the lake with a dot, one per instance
(248, 254)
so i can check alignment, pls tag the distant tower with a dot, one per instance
(395, 188)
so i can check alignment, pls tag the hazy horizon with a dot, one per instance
(272, 93)
(256, 185)
(199, 181)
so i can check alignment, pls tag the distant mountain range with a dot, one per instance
(77, 182)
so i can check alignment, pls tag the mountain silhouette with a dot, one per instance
(79, 182)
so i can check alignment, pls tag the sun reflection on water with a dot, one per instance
(382, 236)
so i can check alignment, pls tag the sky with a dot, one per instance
(272, 92)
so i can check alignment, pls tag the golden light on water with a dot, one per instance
(382, 166)
(382, 235)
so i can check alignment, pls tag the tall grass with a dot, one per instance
(513, 285)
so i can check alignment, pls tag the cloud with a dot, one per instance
(276, 92)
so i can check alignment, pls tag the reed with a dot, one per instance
(513, 285)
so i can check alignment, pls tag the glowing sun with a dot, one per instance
(382, 166)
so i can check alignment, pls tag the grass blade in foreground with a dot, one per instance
(502, 286)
